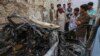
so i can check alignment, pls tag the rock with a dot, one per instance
(10, 8)
(2, 11)
(20, 7)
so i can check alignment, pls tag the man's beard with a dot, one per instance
(52, 7)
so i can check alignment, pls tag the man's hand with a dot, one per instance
(78, 23)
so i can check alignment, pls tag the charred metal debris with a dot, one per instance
(25, 39)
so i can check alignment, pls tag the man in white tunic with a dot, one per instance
(61, 17)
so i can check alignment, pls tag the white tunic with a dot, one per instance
(61, 21)
(46, 16)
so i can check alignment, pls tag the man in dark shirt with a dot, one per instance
(52, 13)
(68, 14)
(82, 21)
(69, 10)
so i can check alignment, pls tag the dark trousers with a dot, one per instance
(73, 35)
(88, 31)
(66, 26)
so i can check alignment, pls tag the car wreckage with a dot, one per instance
(26, 39)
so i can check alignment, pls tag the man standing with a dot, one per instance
(82, 21)
(64, 7)
(61, 17)
(52, 13)
(69, 10)
(92, 14)
(46, 15)
(72, 23)
(68, 14)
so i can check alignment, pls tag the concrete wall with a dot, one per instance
(28, 7)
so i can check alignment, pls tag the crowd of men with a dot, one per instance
(81, 22)
(78, 20)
